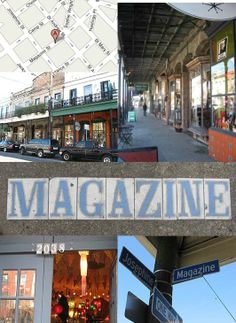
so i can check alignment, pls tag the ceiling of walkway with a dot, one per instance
(149, 34)
(194, 250)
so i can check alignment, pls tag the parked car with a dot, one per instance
(40, 147)
(87, 150)
(9, 145)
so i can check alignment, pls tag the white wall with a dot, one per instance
(78, 81)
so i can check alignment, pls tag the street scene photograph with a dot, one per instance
(177, 78)
(60, 115)
(176, 279)
(58, 279)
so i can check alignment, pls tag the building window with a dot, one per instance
(57, 96)
(37, 101)
(88, 93)
(73, 96)
(46, 99)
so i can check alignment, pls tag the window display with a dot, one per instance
(99, 133)
(69, 135)
(200, 115)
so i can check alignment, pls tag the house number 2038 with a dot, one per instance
(49, 248)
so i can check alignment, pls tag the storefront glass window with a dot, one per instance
(196, 101)
(26, 311)
(218, 78)
(230, 76)
(99, 133)
(69, 135)
(218, 110)
(206, 95)
(172, 95)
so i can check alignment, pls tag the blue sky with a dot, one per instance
(193, 300)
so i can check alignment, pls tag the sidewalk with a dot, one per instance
(172, 146)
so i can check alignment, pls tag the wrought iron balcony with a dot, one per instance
(87, 99)
(78, 101)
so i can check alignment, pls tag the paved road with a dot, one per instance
(172, 146)
(16, 157)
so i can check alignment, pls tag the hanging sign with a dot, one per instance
(207, 11)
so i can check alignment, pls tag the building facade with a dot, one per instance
(65, 106)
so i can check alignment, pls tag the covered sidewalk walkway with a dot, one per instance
(172, 146)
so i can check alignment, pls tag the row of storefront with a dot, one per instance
(86, 110)
(100, 127)
(198, 92)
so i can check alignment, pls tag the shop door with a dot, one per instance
(24, 289)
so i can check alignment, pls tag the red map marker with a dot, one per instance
(55, 34)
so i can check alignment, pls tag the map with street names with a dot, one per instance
(58, 35)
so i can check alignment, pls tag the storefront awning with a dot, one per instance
(96, 107)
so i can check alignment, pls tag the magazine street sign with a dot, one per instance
(138, 269)
(86, 198)
(162, 310)
(195, 271)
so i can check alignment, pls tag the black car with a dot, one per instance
(87, 150)
(9, 145)
(40, 147)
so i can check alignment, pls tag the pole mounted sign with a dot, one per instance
(162, 310)
(137, 268)
(195, 271)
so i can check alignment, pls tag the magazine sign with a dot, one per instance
(195, 271)
(132, 199)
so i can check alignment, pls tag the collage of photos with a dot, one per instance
(118, 161)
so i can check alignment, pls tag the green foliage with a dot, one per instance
(31, 109)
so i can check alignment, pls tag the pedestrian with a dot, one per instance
(145, 109)
(64, 314)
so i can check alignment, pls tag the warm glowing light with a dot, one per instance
(83, 270)
(83, 262)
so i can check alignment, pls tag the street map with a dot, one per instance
(55, 35)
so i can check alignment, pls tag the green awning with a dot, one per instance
(94, 107)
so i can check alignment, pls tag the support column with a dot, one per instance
(165, 262)
(185, 100)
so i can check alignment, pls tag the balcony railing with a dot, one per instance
(87, 99)
(78, 101)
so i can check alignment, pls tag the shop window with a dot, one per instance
(223, 98)
(99, 134)
(82, 286)
(230, 76)
(175, 98)
(218, 79)
(69, 135)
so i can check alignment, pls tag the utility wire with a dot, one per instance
(219, 299)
